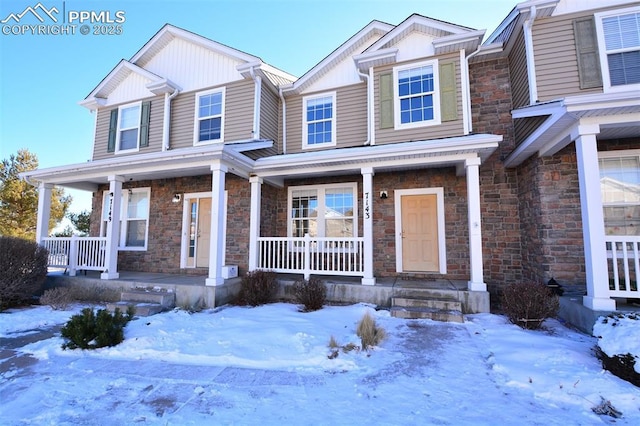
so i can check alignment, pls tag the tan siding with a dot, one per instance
(238, 118)
(555, 57)
(518, 73)
(447, 129)
(269, 116)
(351, 118)
(155, 131)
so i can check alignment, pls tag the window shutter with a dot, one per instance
(386, 100)
(584, 31)
(145, 116)
(113, 130)
(448, 92)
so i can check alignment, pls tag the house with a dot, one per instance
(411, 150)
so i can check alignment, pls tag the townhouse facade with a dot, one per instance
(411, 150)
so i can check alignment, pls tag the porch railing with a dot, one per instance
(312, 255)
(623, 262)
(76, 253)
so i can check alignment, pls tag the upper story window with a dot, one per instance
(619, 40)
(416, 95)
(129, 127)
(134, 218)
(209, 121)
(319, 120)
(620, 188)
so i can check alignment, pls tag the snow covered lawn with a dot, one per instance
(269, 365)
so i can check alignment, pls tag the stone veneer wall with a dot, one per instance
(165, 224)
(499, 197)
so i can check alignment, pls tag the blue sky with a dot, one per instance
(42, 77)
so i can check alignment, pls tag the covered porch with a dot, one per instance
(597, 124)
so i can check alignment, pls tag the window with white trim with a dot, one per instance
(319, 120)
(209, 120)
(323, 211)
(620, 189)
(128, 127)
(416, 95)
(134, 218)
(619, 40)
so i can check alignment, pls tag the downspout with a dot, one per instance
(256, 103)
(166, 126)
(531, 67)
(284, 121)
(369, 103)
(466, 90)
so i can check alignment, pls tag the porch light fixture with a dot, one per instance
(383, 195)
(176, 198)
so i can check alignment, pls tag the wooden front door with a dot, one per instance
(204, 232)
(420, 233)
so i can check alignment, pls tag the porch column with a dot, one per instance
(254, 221)
(595, 251)
(113, 228)
(367, 216)
(216, 251)
(476, 282)
(44, 211)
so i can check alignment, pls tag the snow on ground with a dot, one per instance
(270, 365)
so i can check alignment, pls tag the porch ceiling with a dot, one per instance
(616, 115)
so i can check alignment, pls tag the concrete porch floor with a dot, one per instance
(191, 289)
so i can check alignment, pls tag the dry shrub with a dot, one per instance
(24, 270)
(95, 293)
(58, 298)
(369, 333)
(312, 293)
(257, 288)
(529, 304)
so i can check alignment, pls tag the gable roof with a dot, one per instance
(160, 84)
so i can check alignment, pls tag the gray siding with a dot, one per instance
(351, 118)
(446, 129)
(518, 73)
(269, 117)
(524, 127)
(238, 114)
(556, 59)
(155, 131)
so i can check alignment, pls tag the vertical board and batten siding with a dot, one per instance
(556, 58)
(155, 131)
(443, 130)
(238, 114)
(351, 118)
(518, 73)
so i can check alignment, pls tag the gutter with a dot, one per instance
(284, 121)
(255, 133)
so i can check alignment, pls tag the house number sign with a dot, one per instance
(367, 206)
(110, 206)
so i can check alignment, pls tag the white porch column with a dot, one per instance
(113, 228)
(595, 251)
(367, 217)
(218, 237)
(476, 282)
(44, 211)
(254, 221)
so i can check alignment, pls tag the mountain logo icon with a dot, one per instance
(38, 11)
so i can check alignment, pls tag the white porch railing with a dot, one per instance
(76, 253)
(307, 255)
(623, 262)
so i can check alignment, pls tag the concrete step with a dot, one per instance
(427, 313)
(162, 298)
(445, 304)
(141, 309)
(425, 293)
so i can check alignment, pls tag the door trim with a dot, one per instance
(442, 250)
(186, 214)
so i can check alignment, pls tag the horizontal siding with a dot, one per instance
(446, 129)
(524, 127)
(269, 116)
(238, 118)
(351, 118)
(555, 57)
(155, 131)
(518, 73)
